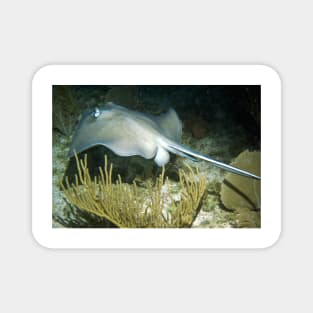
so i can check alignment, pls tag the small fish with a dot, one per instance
(127, 132)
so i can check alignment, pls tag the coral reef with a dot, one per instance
(127, 205)
(242, 194)
(73, 217)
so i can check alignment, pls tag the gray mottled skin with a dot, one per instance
(127, 132)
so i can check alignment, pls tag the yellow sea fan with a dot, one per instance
(127, 205)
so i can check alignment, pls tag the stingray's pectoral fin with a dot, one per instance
(186, 152)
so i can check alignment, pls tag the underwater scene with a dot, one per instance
(156, 156)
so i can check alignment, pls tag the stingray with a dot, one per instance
(127, 132)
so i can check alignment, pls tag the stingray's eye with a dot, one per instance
(96, 113)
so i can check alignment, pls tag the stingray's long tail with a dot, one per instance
(185, 151)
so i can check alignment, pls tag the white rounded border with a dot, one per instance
(51, 75)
